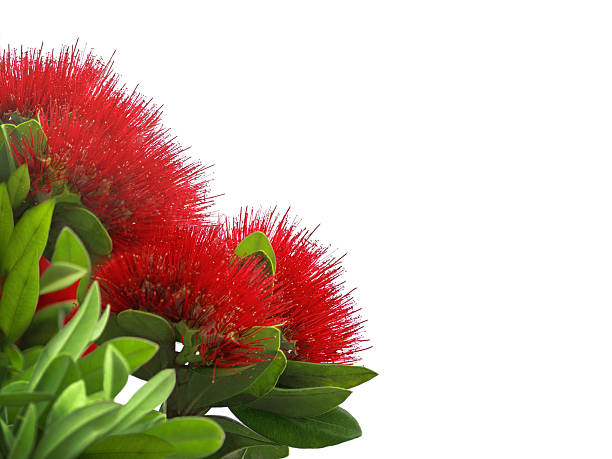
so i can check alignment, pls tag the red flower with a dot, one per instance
(67, 295)
(320, 318)
(188, 275)
(104, 143)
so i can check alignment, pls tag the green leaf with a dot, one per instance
(72, 398)
(135, 352)
(306, 374)
(59, 276)
(148, 420)
(74, 338)
(30, 356)
(192, 437)
(299, 403)
(129, 446)
(153, 393)
(239, 438)
(45, 324)
(23, 398)
(116, 372)
(89, 228)
(72, 434)
(7, 435)
(335, 426)
(15, 356)
(206, 386)
(32, 132)
(146, 325)
(24, 441)
(70, 249)
(262, 383)
(257, 243)
(30, 234)
(19, 296)
(60, 374)
(6, 218)
(19, 185)
(7, 160)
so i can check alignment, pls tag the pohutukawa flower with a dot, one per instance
(320, 320)
(105, 143)
(189, 275)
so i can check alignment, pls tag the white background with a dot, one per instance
(459, 151)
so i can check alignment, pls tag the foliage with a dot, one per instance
(64, 358)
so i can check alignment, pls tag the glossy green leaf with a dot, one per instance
(24, 440)
(70, 249)
(23, 398)
(206, 386)
(73, 397)
(74, 338)
(19, 296)
(306, 374)
(257, 243)
(30, 356)
(148, 420)
(239, 438)
(18, 186)
(262, 383)
(73, 433)
(129, 446)
(60, 374)
(30, 234)
(45, 324)
(192, 437)
(116, 372)
(15, 356)
(135, 352)
(335, 426)
(88, 227)
(7, 435)
(6, 218)
(60, 275)
(311, 401)
(146, 325)
(8, 164)
(153, 393)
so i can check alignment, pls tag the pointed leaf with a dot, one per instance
(335, 426)
(6, 218)
(239, 438)
(24, 441)
(72, 398)
(152, 394)
(74, 338)
(30, 234)
(19, 296)
(306, 374)
(19, 185)
(60, 275)
(72, 434)
(135, 351)
(116, 372)
(298, 403)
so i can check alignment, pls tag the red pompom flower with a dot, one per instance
(319, 317)
(190, 276)
(105, 143)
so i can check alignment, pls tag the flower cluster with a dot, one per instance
(106, 148)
